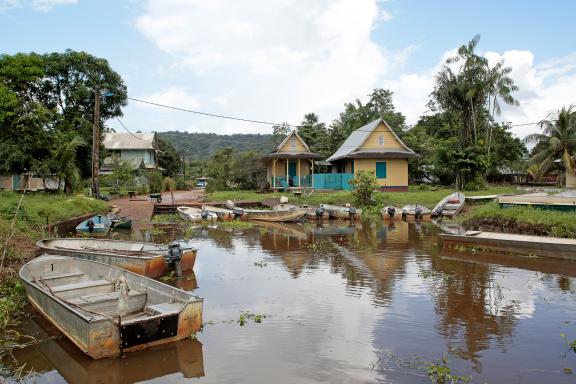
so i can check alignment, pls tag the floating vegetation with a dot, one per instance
(322, 246)
(169, 276)
(235, 224)
(571, 343)
(441, 373)
(163, 218)
(260, 264)
(247, 316)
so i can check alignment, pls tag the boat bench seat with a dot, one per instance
(61, 278)
(67, 291)
(452, 206)
(163, 308)
(107, 303)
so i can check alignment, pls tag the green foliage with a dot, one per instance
(12, 300)
(155, 181)
(315, 134)
(365, 186)
(246, 316)
(181, 184)
(169, 184)
(441, 373)
(122, 176)
(228, 169)
(168, 158)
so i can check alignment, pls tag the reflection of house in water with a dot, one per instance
(59, 353)
(288, 242)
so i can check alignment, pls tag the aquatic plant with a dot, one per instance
(260, 264)
(571, 343)
(246, 316)
(168, 276)
(164, 218)
(235, 224)
(441, 373)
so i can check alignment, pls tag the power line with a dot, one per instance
(213, 114)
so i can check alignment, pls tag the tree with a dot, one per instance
(67, 166)
(557, 141)
(314, 134)
(169, 159)
(219, 170)
(365, 185)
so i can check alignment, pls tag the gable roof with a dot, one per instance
(293, 133)
(130, 140)
(278, 153)
(351, 146)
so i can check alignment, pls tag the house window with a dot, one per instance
(380, 140)
(380, 169)
(293, 142)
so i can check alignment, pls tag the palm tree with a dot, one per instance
(66, 164)
(559, 131)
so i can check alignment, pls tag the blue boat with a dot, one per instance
(98, 225)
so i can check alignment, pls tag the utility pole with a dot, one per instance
(96, 146)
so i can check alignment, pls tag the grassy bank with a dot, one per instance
(415, 195)
(35, 212)
(522, 220)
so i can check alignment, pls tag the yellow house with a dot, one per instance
(291, 164)
(375, 147)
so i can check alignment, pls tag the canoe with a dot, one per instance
(409, 212)
(345, 213)
(449, 206)
(98, 225)
(120, 221)
(390, 212)
(108, 311)
(511, 243)
(55, 353)
(275, 215)
(196, 214)
(147, 259)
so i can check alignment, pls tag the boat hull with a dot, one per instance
(150, 265)
(101, 336)
(340, 213)
(275, 215)
(101, 227)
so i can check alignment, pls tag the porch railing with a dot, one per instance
(337, 181)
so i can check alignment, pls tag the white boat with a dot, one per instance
(390, 211)
(107, 311)
(449, 206)
(338, 212)
(221, 213)
(196, 214)
(416, 212)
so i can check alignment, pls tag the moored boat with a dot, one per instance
(148, 259)
(196, 214)
(118, 221)
(316, 213)
(222, 213)
(416, 212)
(98, 225)
(449, 206)
(342, 213)
(390, 212)
(276, 215)
(107, 311)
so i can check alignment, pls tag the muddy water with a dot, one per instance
(367, 303)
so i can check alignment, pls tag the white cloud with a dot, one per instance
(36, 5)
(273, 62)
(172, 96)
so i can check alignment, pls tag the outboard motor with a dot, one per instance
(319, 213)
(204, 214)
(417, 213)
(90, 224)
(440, 212)
(352, 212)
(174, 256)
(391, 212)
(404, 214)
(237, 212)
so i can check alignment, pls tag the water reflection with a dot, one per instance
(332, 310)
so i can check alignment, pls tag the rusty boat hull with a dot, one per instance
(107, 311)
(147, 259)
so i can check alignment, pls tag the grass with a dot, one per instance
(415, 195)
(526, 220)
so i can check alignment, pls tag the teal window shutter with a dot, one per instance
(380, 169)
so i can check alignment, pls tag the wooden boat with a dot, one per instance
(410, 212)
(390, 212)
(449, 206)
(147, 259)
(120, 221)
(107, 311)
(56, 353)
(342, 213)
(511, 243)
(275, 215)
(98, 225)
(196, 214)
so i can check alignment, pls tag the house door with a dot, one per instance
(292, 173)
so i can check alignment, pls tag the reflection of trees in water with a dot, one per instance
(470, 308)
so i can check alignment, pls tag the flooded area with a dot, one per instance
(343, 303)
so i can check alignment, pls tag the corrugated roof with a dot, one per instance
(129, 140)
(358, 137)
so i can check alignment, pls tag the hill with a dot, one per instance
(203, 145)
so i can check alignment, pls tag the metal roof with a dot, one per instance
(129, 140)
(359, 136)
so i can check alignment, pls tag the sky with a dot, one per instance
(277, 60)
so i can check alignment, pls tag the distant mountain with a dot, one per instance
(203, 145)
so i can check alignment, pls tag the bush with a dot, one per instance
(181, 184)
(169, 184)
(155, 182)
(365, 185)
(477, 184)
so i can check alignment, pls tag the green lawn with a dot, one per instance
(428, 198)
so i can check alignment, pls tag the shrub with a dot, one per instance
(477, 184)
(365, 185)
(154, 182)
(181, 184)
(169, 184)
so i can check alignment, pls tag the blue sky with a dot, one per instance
(276, 60)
